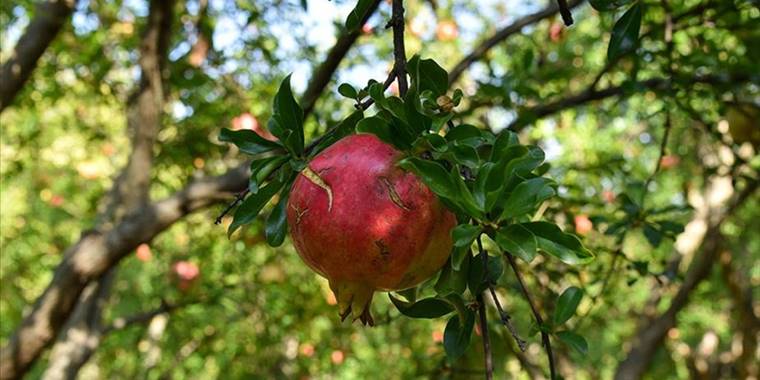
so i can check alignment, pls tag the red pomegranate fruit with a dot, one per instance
(365, 224)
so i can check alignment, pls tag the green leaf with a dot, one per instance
(425, 308)
(288, 119)
(463, 235)
(608, 5)
(670, 228)
(251, 206)
(457, 97)
(262, 168)
(465, 134)
(478, 279)
(517, 240)
(504, 140)
(376, 126)
(519, 168)
(248, 141)
(654, 236)
(567, 303)
(464, 155)
(427, 75)
(277, 225)
(465, 199)
(451, 280)
(457, 335)
(625, 33)
(348, 91)
(433, 174)
(553, 241)
(415, 119)
(432, 77)
(354, 19)
(343, 129)
(479, 189)
(527, 196)
(575, 341)
(410, 294)
(496, 181)
(432, 141)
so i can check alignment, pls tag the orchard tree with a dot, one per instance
(551, 206)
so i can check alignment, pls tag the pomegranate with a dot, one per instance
(365, 224)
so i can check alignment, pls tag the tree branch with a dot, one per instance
(98, 251)
(144, 317)
(322, 74)
(589, 95)
(50, 18)
(81, 334)
(504, 316)
(650, 334)
(399, 51)
(480, 51)
(746, 321)
(564, 10)
(488, 355)
(544, 336)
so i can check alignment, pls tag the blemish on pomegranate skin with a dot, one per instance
(383, 248)
(395, 198)
(299, 213)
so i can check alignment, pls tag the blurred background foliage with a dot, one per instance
(258, 312)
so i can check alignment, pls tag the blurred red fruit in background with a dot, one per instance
(446, 30)
(583, 224)
(248, 121)
(143, 252)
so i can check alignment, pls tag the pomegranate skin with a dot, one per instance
(365, 224)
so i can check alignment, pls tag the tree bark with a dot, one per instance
(747, 323)
(50, 18)
(81, 334)
(98, 251)
(651, 333)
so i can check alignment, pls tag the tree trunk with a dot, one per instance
(81, 335)
(712, 209)
(51, 16)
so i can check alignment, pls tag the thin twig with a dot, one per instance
(488, 356)
(386, 84)
(399, 52)
(506, 319)
(482, 49)
(564, 10)
(238, 198)
(124, 322)
(544, 336)
(486, 339)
